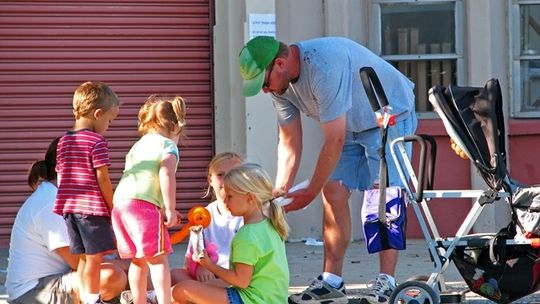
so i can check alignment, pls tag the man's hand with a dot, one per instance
(301, 199)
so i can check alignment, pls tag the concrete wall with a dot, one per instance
(248, 125)
(487, 56)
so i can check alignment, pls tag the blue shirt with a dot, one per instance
(329, 85)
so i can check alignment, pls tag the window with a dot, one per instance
(422, 40)
(525, 31)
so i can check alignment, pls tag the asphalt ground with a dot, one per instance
(305, 263)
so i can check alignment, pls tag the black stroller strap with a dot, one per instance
(377, 99)
(497, 246)
(374, 90)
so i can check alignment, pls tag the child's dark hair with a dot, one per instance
(44, 169)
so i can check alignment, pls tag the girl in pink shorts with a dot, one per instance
(145, 199)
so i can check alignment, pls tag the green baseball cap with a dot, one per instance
(255, 57)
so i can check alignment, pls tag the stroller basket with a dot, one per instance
(500, 279)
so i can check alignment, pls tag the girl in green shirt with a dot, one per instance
(259, 271)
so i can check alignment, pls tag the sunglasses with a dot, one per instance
(266, 83)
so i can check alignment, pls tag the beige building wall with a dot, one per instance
(487, 56)
(249, 126)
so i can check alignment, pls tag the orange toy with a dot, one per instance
(197, 215)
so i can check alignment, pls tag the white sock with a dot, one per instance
(91, 298)
(150, 294)
(391, 280)
(332, 279)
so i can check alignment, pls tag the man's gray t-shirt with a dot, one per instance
(329, 85)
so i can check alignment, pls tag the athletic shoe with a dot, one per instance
(381, 290)
(127, 298)
(320, 292)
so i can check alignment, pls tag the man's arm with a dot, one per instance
(334, 138)
(289, 153)
(71, 259)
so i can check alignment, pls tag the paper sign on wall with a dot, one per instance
(262, 25)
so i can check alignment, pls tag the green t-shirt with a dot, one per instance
(259, 245)
(141, 173)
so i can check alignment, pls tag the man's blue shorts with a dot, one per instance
(358, 166)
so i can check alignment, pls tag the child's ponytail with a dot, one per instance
(179, 108)
(163, 112)
(277, 218)
(252, 178)
(37, 173)
(44, 169)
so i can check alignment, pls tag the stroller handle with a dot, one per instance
(422, 139)
(372, 86)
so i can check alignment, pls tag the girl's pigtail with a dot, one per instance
(277, 218)
(179, 108)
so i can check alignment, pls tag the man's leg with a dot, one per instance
(388, 261)
(336, 226)
(113, 280)
(388, 258)
(336, 236)
(385, 282)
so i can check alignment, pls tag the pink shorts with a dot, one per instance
(140, 229)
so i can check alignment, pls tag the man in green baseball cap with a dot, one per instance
(321, 78)
(255, 57)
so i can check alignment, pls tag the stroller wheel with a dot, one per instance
(422, 278)
(414, 292)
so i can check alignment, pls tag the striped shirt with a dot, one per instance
(79, 153)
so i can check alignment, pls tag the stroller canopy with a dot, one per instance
(473, 117)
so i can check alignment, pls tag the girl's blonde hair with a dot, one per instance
(93, 95)
(216, 160)
(163, 112)
(252, 178)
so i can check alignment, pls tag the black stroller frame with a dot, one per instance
(488, 156)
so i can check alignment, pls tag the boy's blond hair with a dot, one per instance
(93, 95)
(252, 178)
(162, 112)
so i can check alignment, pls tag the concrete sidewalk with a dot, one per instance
(305, 263)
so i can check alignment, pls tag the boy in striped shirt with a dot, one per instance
(84, 188)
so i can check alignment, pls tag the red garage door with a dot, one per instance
(47, 48)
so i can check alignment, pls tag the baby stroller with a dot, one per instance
(503, 266)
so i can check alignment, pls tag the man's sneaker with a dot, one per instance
(127, 298)
(320, 292)
(381, 290)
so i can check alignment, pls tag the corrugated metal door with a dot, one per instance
(47, 48)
